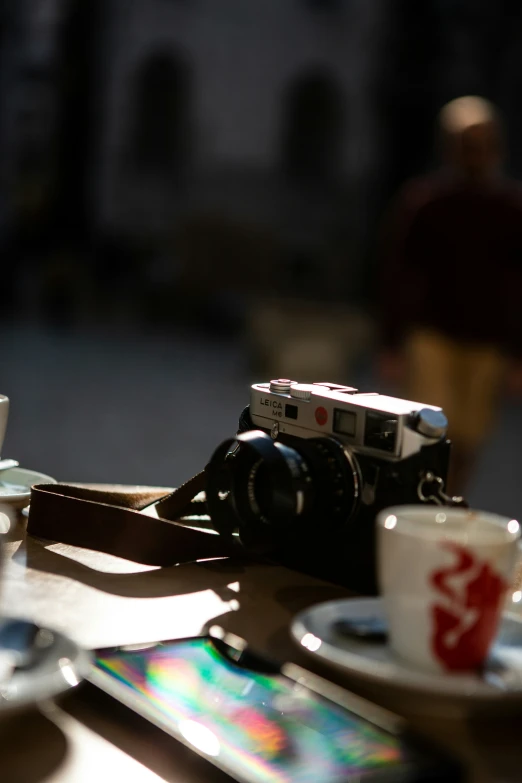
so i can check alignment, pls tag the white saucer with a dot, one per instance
(36, 664)
(16, 483)
(374, 662)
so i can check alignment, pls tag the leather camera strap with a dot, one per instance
(110, 518)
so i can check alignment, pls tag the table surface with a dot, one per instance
(100, 601)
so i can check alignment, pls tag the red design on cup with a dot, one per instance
(465, 621)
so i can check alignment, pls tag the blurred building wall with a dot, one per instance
(241, 60)
(29, 105)
(209, 138)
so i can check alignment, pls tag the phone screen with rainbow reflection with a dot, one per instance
(258, 727)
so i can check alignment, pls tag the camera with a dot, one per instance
(313, 464)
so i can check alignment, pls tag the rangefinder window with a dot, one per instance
(380, 431)
(291, 412)
(344, 422)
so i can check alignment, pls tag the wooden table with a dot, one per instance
(100, 600)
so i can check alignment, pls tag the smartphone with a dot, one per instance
(261, 723)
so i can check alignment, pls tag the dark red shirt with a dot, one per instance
(452, 261)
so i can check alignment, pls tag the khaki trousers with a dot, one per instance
(464, 379)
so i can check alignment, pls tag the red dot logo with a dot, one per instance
(321, 416)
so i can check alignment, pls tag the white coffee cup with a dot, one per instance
(444, 574)
(4, 413)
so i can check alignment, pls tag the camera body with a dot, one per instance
(314, 464)
(386, 428)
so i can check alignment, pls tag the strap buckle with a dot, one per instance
(431, 490)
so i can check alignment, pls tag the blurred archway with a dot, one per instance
(313, 127)
(160, 130)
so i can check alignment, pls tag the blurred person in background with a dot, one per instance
(451, 280)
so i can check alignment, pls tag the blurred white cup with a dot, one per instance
(444, 574)
(4, 413)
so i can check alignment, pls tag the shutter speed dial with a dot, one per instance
(302, 391)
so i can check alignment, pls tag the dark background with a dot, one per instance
(190, 197)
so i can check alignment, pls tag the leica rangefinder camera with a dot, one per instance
(313, 464)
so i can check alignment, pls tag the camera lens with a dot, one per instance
(277, 493)
(269, 490)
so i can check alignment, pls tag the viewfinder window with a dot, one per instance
(380, 431)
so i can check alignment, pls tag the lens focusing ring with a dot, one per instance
(336, 473)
